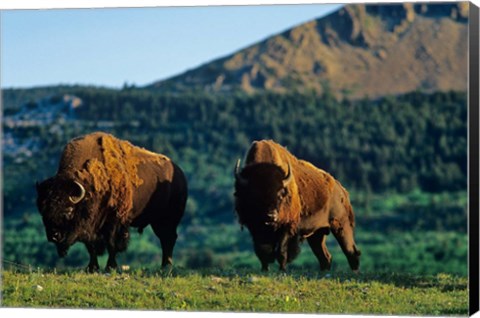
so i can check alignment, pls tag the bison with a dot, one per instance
(283, 200)
(102, 187)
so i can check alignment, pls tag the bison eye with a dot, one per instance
(69, 213)
(282, 193)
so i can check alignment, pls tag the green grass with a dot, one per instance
(297, 291)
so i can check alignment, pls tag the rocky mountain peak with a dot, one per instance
(359, 50)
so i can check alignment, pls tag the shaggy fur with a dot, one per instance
(124, 186)
(311, 205)
(115, 174)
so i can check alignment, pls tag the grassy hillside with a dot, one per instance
(298, 291)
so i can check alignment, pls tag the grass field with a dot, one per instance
(240, 290)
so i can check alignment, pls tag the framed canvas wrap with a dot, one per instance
(268, 158)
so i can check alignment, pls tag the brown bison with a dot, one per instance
(283, 200)
(102, 187)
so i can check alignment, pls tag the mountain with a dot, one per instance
(53, 112)
(357, 51)
(44, 112)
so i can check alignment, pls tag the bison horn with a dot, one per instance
(288, 178)
(75, 200)
(238, 177)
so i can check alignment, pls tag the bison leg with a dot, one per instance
(118, 242)
(293, 248)
(317, 243)
(111, 262)
(265, 253)
(264, 266)
(343, 232)
(93, 266)
(166, 229)
(168, 237)
(282, 252)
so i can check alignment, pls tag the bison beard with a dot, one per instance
(102, 187)
(283, 200)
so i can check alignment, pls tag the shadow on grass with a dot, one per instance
(442, 282)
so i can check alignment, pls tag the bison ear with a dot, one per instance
(237, 173)
(289, 176)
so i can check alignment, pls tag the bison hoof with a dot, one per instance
(111, 265)
(92, 269)
(110, 269)
(167, 261)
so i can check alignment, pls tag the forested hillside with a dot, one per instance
(402, 158)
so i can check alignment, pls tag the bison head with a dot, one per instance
(261, 192)
(59, 203)
(264, 195)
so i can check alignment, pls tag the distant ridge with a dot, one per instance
(358, 51)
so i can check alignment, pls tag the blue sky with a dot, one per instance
(110, 47)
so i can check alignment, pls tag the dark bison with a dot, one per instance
(102, 187)
(283, 200)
